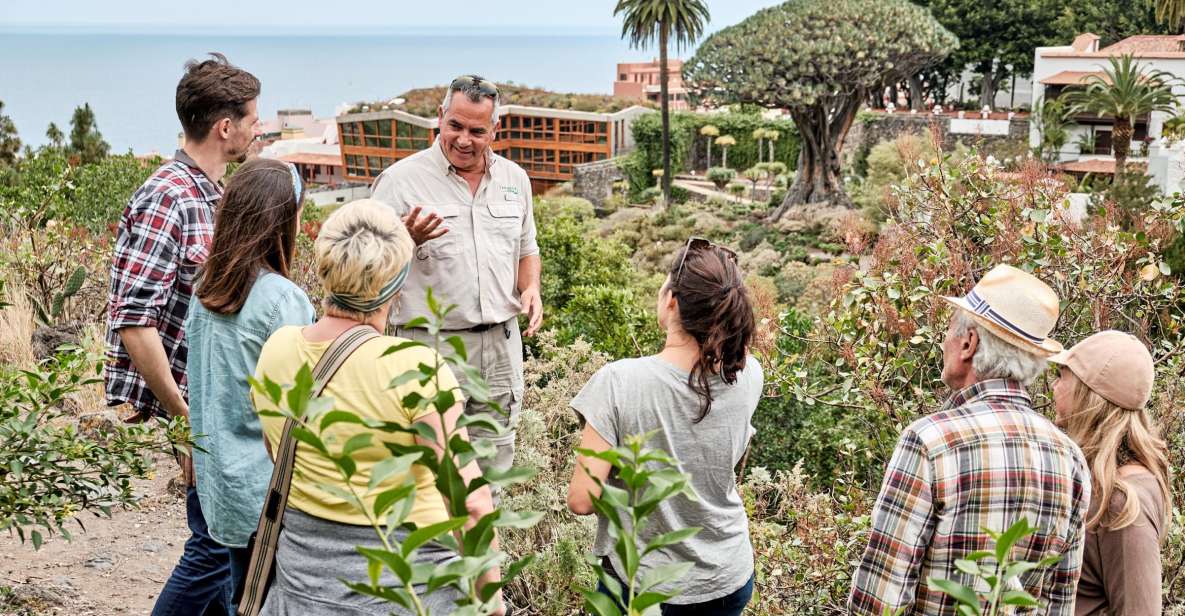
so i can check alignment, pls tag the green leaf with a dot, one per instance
(509, 476)
(356, 442)
(967, 566)
(960, 593)
(334, 417)
(1009, 538)
(37, 539)
(518, 519)
(1018, 598)
(383, 501)
(599, 604)
(391, 466)
(671, 538)
(406, 344)
(420, 536)
(305, 436)
(392, 560)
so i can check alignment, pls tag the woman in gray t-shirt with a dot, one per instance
(699, 394)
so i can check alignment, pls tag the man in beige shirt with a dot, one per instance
(469, 211)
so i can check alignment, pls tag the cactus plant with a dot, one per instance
(73, 285)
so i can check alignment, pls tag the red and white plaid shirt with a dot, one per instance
(984, 461)
(164, 235)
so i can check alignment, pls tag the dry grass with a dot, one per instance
(16, 329)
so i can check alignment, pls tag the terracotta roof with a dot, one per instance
(304, 158)
(1072, 78)
(1145, 44)
(1095, 165)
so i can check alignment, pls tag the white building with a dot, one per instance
(1057, 69)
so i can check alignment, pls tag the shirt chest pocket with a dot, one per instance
(449, 244)
(505, 223)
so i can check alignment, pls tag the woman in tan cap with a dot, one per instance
(1099, 397)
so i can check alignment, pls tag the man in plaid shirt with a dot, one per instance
(163, 236)
(985, 460)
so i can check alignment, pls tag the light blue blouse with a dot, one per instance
(233, 473)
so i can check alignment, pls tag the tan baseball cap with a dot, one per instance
(1114, 365)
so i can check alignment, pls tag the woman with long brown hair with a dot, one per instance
(244, 295)
(699, 394)
(1104, 384)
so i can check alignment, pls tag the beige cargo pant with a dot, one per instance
(497, 353)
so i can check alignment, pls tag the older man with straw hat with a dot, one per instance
(984, 461)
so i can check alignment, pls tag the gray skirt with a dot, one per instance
(314, 556)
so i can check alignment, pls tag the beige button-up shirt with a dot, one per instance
(475, 264)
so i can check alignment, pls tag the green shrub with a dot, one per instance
(721, 176)
(50, 471)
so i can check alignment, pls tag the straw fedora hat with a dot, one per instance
(1016, 306)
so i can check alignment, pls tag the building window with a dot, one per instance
(355, 165)
(377, 133)
(350, 133)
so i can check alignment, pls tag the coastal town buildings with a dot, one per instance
(1057, 70)
(641, 81)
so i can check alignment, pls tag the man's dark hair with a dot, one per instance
(210, 91)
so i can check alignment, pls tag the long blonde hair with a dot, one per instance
(1111, 436)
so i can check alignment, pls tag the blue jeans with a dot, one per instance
(201, 582)
(729, 605)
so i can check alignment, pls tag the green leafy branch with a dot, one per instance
(392, 505)
(998, 571)
(650, 477)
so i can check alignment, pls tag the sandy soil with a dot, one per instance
(117, 566)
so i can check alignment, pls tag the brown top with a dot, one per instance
(1121, 568)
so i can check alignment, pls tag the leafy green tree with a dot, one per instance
(1112, 20)
(10, 143)
(771, 137)
(55, 136)
(759, 137)
(832, 54)
(86, 141)
(711, 132)
(1170, 12)
(1124, 91)
(996, 35)
(648, 21)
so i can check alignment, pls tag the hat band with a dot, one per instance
(982, 308)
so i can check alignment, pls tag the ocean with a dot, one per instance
(130, 79)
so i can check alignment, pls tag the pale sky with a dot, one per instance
(258, 16)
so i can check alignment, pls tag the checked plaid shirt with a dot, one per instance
(984, 461)
(164, 235)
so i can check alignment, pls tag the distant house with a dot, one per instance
(309, 143)
(1057, 70)
(640, 81)
(547, 142)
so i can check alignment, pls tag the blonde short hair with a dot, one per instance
(361, 247)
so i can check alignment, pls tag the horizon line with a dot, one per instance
(166, 29)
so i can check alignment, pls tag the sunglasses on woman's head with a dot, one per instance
(488, 88)
(697, 244)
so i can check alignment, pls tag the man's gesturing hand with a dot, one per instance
(423, 228)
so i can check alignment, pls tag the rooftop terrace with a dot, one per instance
(424, 101)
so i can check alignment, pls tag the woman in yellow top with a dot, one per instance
(363, 254)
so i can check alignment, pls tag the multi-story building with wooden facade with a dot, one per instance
(546, 142)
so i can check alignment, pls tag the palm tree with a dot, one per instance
(1170, 12)
(647, 20)
(759, 135)
(711, 132)
(1125, 91)
(725, 142)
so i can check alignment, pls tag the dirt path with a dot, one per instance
(117, 566)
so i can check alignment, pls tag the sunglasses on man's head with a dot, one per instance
(698, 244)
(488, 88)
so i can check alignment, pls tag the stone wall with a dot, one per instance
(594, 181)
(866, 133)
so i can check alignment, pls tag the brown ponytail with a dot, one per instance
(715, 310)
